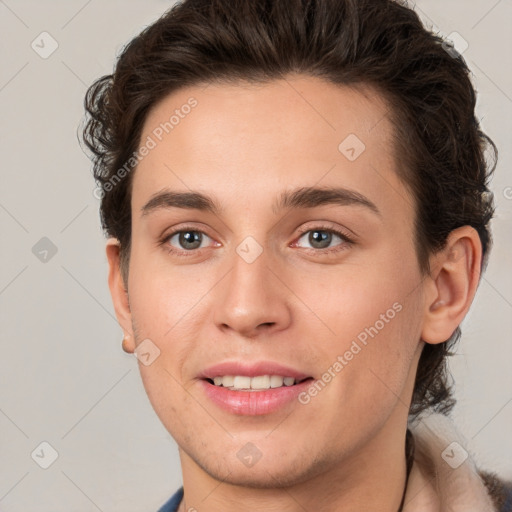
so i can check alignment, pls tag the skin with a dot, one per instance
(295, 304)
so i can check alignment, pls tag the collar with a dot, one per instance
(443, 476)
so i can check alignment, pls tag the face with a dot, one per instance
(264, 278)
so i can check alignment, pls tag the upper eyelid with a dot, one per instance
(325, 227)
(318, 224)
(302, 231)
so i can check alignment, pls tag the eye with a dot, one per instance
(320, 239)
(187, 241)
(184, 240)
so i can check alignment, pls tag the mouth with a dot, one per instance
(252, 390)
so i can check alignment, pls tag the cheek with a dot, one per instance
(172, 404)
(165, 310)
(371, 315)
(163, 298)
(347, 300)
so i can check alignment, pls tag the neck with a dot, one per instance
(373, 478)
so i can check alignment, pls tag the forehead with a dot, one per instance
(253, 139)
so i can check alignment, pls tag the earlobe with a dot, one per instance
(119, 293)
(452, 284)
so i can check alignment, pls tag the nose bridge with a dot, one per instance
(252, 297)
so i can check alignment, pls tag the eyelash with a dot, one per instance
(347, 241)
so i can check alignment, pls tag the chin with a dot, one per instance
(263, 474)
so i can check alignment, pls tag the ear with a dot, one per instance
(452, 284)
(119, 293)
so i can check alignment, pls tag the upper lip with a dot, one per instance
(251, 370)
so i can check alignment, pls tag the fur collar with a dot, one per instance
(443, 477)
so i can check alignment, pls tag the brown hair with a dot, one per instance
(439, 146)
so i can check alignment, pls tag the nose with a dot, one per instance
(251, 299)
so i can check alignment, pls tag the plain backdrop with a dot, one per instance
(64, 378)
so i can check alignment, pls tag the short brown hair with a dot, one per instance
(439, 147)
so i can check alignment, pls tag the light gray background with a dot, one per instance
(64, 377)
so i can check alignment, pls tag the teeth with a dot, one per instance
(242, 382)
(276, 381)
(227, 381)
(289, 381)
(261, 382)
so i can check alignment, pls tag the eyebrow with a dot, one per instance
(304, 197)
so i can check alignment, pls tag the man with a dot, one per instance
(296, 198)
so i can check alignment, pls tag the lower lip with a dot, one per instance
(253, 403)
